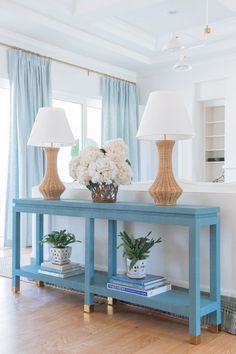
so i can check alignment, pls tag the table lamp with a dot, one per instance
(165, 119)
(51, 130)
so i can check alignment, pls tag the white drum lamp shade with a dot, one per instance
(51, 130)
(165, 119)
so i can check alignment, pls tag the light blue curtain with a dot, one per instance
(30, 89)
(120, 116)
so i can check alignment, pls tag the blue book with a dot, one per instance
(137, 286)
(149, 279)
(146, 293)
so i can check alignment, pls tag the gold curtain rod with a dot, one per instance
(66, 63)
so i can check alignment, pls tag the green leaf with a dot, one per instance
(59, 239)
(136, 248)
(102, 150)
(91, 186)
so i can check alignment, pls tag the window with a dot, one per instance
(94, 124)
(85, 123)
(4, 139)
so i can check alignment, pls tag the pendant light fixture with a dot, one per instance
(183, 63)
(173, 45)
(207, 29)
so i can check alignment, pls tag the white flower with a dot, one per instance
(124, 174)
(94, 165)
(73, 167)
(104, 170)
(90, 154)
(117, 147)
(83, 175)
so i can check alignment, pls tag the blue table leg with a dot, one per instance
(15, 250)
(39, 236)
(112, 247)
(112, 253)
(215, 317)
(89, 265)
(194, 284)
(39, 245)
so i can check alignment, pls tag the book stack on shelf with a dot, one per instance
(149, 286)
(61, 271)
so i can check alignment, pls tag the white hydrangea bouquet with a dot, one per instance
(103, 170)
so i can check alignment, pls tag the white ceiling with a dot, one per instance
(125, 33)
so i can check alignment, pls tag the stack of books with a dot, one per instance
(149, 286)
(61, 271)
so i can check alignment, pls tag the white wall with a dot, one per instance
(74, 83)
(209, 77)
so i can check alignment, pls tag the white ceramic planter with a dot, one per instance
(60, 255)
(139, 269)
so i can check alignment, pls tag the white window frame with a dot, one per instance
(85, 102)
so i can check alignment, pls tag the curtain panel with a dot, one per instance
(30, 89)
(120, 117)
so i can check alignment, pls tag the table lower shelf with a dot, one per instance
(173, 301)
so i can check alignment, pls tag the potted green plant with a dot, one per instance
(137, 251)
(60, 252)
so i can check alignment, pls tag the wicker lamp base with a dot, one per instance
(165, 190)
(51, 187)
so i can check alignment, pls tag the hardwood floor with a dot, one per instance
(51, 321)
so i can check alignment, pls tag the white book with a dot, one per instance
(61, 275)
(59, 267)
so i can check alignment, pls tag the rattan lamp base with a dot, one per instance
(165, 190)
(51, 187)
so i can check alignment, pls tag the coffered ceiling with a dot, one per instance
(125, 33)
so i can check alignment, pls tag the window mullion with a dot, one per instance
(84, 125)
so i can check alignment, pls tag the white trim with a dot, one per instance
(77, 34)
(84, 125)
(127, 32)
(4, 83)
(27, 43)
(229, 167)
(65, 96)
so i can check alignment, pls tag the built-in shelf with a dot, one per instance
(216, 122)
(214, 141)
(215, 162)
(215, 136)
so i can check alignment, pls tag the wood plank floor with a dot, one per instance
(51, 321)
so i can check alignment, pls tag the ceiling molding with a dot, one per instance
(98, 24)
(98, 9)
(167, 67)
(230, 4)
(45, 49)
(128, 32)
(78, 34)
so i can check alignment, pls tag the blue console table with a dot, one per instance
(191, 304)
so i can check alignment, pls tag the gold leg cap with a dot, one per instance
(88, 308)
(195, 340)
(39, 283)
(215, 328)
(111, 301)
(15, 289)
